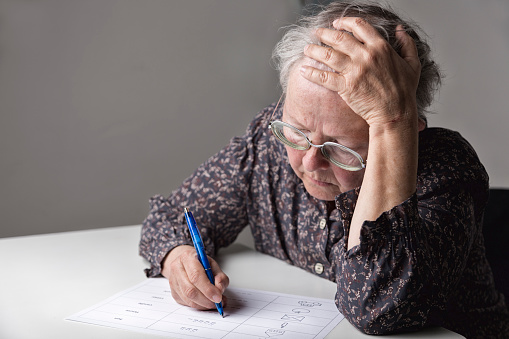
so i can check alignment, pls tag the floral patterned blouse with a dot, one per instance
(422, 263)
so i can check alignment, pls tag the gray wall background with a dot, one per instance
(104, 103)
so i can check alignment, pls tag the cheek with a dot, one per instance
(294, 157)
(348, 180)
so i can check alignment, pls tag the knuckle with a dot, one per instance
(175, 264)
(194, 276)
(328, 54)
(339, 36)
(371, 57)
(383, 47)
(188, 255)
(323, 77)
(380, 51)
(190, 292)
(360, 22)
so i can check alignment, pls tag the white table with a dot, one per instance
(45, 278)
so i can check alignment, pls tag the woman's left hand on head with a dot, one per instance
(376, 82)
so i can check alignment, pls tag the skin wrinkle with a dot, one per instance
(327, 117)
(283, 218)
(391, 218)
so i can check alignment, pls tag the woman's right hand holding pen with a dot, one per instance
(189, 283)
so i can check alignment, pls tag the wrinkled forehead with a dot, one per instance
(317, 108)
(297, 82)
(305, 91)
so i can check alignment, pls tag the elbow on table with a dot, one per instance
(383, 323)
(370, 327)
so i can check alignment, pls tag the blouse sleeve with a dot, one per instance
(412, 256)
(213, 195)
(216, 193)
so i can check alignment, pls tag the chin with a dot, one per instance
(321, 194)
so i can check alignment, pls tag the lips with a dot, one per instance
(319, 182)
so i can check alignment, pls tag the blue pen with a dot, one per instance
(202, 256)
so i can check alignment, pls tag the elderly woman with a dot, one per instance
(343, 178)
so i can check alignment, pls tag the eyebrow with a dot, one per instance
(337, 139)
(358, 147)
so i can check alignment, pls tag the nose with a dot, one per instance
(314, 160)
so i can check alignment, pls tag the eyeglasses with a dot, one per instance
(337, 154)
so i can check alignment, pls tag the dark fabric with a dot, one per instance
(496, 235)
(422, 263)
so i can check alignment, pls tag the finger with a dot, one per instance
(221, 279)
(330, 80)
(328, 56)
(175, 293)
(199, 279)
(359, 27)
(189, 277)
(340, 40)
(190, 302)
(181, 292)
(409, 51)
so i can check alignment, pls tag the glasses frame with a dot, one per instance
(274, 124)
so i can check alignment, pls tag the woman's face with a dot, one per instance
(323, 116)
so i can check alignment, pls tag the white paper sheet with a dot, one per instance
(149, 308)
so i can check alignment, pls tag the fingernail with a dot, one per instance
(216, 299)
(302, 69)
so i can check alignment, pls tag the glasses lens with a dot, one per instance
(342, 157)
(289, 135)
(339, 155)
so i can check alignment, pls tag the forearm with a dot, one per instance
(402, 260)
(391, 172)
(215, 194)
(161, 232)
(381, 282)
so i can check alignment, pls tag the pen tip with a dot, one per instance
(186, 210)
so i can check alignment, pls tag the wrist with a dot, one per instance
(393, 152)
(394, 117)
(397, 141)
(406, 118)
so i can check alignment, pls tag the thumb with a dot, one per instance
(408, 49)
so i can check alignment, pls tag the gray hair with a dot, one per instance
(290, 50)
